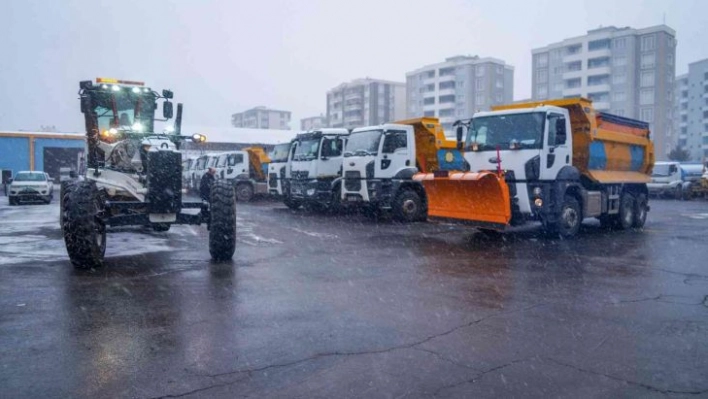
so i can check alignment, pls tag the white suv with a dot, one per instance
(30, 186)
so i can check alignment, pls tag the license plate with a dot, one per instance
(352, 199)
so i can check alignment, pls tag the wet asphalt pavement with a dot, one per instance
(336, 307)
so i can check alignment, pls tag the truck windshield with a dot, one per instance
(124, 109)
(661, 170)
(30, 177)
(280, 153)
(363, 143)
(306, 150)
(524, 130)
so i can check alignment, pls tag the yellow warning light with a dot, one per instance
(120, 82)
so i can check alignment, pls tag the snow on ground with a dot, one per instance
(32, 233)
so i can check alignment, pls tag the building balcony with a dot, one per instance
(598, 88)
(605, 52)
(579, 56)
(580, 73)
(444, 92)
(601, 105)
(574, 91)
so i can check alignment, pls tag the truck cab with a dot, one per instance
(316, 168)
(666, 180)
(379, 162)
(526, 144)
(278, 169)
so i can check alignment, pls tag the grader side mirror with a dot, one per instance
(167, 110)
(85, 104)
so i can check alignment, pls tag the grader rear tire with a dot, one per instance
(222, 223)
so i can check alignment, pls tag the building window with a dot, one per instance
(479, 99)
(500, 84)
(572, 83)
(574, 66)
(479, 71)
(500, 69)
(557, 70)
(619, 78)
(446, 85)
(574, 49)
(618, 112)
(620, 43)
(429, 100)
(647, 79)
(620, 60)
(558, 86)
(461, 83)
(646, 114)
(430, 87)
(598, 80)
(600, 97)
(619, 96)
(429, 113)
(542, 92)
(479, 84)
(598, 62)
(450, 98)
(447, 71)
(646, 97)
(500, 98)
(599, 44)
(670, 59)
(648, 43)
(542, 60)
(446, 112)
(542, 75)
(648, 60)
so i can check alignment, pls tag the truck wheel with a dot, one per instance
(336, 203)
(222, 223)
(407, 207)
(640, 211)
(244, 192)
(291, 203)
(84, 231)
(569, 219)
(160, 227)
(626, 211)
(678, 193)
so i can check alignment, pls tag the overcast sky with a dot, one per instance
(222, 57)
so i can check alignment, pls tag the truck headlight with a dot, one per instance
(537, 191)
(44, 191)
(538, 202)
(310, 192)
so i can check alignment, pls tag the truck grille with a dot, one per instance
(300, 174)
(273, 180)
(352, 180)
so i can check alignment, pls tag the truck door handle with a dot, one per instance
(494, 160)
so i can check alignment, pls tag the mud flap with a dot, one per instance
(481, 198)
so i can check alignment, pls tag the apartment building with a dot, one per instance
(364, 102)
(692, 110)
(313, 122)
(458, 87)
(262, 118)
(625, 71)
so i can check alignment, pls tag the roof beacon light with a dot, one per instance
(120, 82)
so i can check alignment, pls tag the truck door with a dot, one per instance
(330, 157)
(236, 165)
(394, 154)
(556, 147)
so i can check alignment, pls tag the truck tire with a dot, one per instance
(407, 206)
(640, 211)
(64, 189)
(291, 203)
(570, 218)
(678, 192)
(84, 231)
(336, 203)
(222, 223)
(627, 205)
(161, 227)
(244, 192)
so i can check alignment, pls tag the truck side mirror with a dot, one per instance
(167, 110)
(167, 94)
(459, 131)
(85, 104)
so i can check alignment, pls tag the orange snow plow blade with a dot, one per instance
(478, 197)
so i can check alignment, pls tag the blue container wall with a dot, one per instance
(40, 144)
(14, 154)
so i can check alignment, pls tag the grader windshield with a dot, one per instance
(123, 108)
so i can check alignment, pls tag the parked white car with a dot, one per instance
(30, 187)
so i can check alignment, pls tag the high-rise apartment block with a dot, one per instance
(692, 110)
(457, 88)
(627, 72)
(262, 118)
(364, 102)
